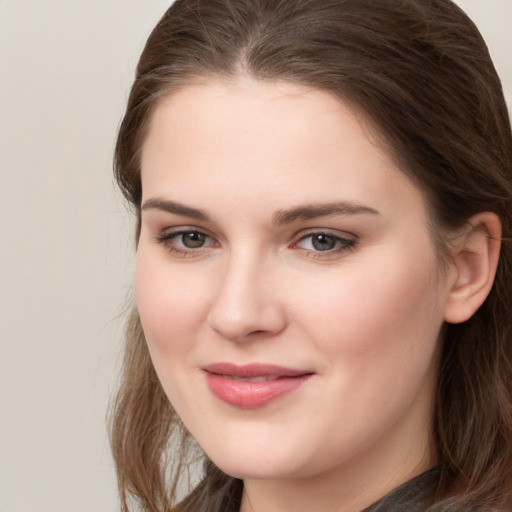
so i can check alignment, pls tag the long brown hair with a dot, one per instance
(421, 72)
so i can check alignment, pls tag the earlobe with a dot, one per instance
(474, 263)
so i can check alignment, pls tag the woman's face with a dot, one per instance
(287, 284)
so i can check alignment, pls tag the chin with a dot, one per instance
(257, 463)
(254, 470)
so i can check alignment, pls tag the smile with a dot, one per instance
(252, 386)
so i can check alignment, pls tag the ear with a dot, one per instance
(474, 263)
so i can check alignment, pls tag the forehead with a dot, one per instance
(278, 141)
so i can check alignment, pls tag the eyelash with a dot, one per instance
(342, 244)
(168, 240)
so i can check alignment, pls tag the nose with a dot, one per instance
(246, 305)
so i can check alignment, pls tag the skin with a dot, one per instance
(364, 317)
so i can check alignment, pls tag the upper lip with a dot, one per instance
(248, 371)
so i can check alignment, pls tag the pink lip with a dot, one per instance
(223, 382)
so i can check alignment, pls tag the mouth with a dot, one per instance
(262, 378)
(254, 385)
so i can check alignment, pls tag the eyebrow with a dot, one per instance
(280, 218)
(176, 208)
(313, 211)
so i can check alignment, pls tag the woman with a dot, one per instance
(321, 190)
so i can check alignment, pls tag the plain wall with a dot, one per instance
(66, 248)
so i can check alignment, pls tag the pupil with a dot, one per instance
(193, 240)
(323, 242)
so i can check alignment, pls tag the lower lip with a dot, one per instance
(251, 395)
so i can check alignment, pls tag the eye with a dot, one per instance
(186, 242)
(192, 240)
(322, 242)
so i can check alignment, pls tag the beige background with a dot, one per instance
(65, 237)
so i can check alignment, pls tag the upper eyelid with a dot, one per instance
(335, 233)
(159, 220)
(178, 230)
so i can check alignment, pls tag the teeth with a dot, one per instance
(262, 378)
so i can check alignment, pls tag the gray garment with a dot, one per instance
(413, 496)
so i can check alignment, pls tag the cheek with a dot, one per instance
(385, 310)
(377, 331)
(169, 303)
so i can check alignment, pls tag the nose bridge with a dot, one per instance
(246, 302)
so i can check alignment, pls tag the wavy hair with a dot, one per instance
(421, 72)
